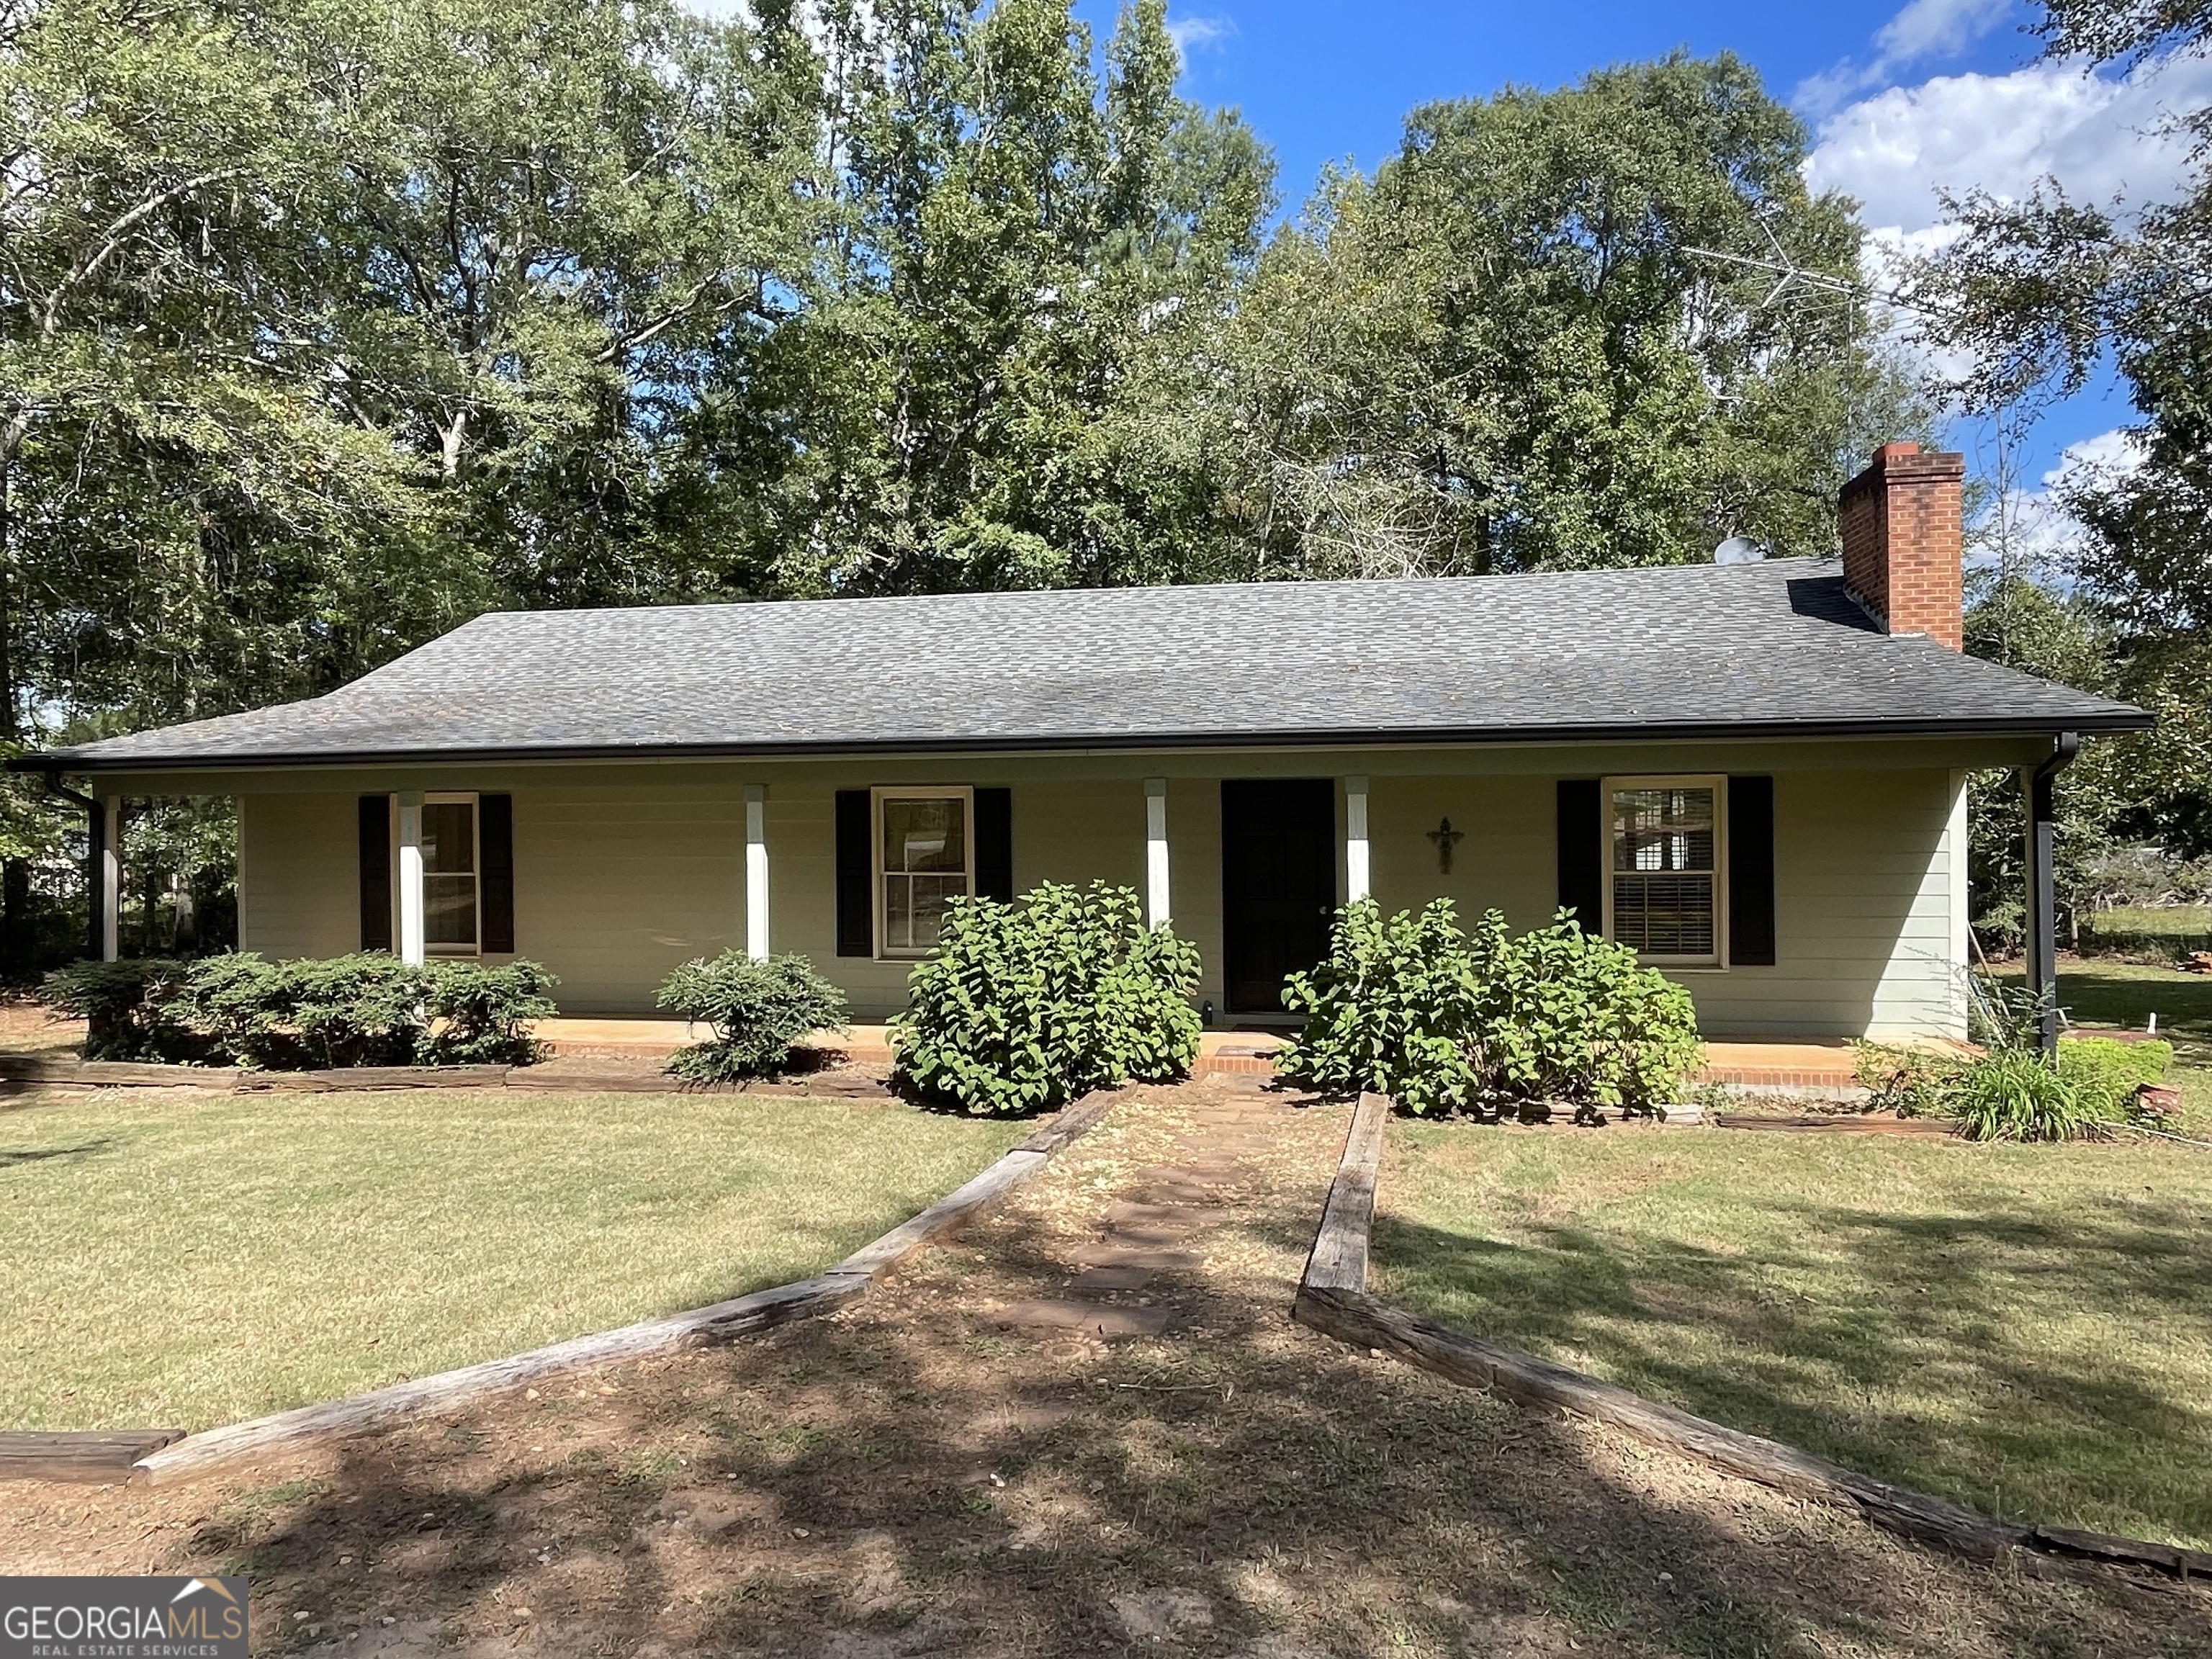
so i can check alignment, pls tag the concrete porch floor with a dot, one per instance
(1782, 1063)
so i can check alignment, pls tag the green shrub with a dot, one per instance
(2110, 1070)
(481, 1015)
(1411, 1006)
(128, 1008)
(237, 1002)
(1394, 1008)
(757, 1011)
(366, 1009)
(1913, 1082)
(2016, 1095)
(1024, 1007)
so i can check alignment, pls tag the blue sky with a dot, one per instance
(1900, 99)
(1325, 81)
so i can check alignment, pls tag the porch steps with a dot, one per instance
(1790, 1066)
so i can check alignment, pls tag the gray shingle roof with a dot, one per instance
(1692, 650)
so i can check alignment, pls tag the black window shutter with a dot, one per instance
(856, 875)
(995, 844)
(1582, 852)
(495, 841)
(376, 872)
(1751, 873)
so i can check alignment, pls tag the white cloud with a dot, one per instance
(2041, 534)
(1925, 30)
(1196, 33)
(2101, 137)
(1933, 28)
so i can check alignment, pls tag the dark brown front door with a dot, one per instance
(1278, 885)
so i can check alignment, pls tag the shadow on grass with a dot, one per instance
(49, 1154)
(2017, 1364)
(2096, 993)
(917, 1480)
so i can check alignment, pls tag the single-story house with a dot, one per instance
(1753, 773)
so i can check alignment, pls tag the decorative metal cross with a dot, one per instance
(1446, 838)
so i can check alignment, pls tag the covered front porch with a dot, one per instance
(1808, 891)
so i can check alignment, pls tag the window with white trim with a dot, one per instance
(451, 912)
(1664, 890)
(924, 856)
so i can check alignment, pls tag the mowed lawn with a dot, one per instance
(2026, 1329)
(174, 1258)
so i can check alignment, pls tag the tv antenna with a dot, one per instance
(1792, 279)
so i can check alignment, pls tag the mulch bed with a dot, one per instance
(633, 1074)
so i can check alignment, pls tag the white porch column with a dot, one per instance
(110, 895)
(1358, 882)
(1159, 912)
(757, 872)
(411, 948)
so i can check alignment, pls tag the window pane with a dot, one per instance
(1664, 915)
(1662, 830)
(449, 837)
(1663, 881)
(914, 909)
(449, 910)
(925, 833)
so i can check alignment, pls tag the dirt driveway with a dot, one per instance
(966, 1465)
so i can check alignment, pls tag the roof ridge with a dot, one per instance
(1289, 584)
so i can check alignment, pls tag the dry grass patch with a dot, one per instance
(180, 1258)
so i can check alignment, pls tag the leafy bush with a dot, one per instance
(481, 1014)
(127, 1007)
(2112, 1070)
(1023, 1007)
(1913, 1082)
(757, 1010)
(1409, 1006)
(2014, 1093)
(1394, 1008)
(366, 1009)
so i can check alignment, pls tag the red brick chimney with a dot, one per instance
(1905, 540)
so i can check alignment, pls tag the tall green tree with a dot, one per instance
(1017, 239)
(2040, 294)
(324, 326)
(1525, 343)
